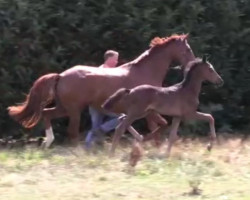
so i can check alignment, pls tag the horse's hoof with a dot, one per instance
(74, 142)
(43, 145)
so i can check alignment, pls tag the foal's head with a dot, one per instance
(204, 70)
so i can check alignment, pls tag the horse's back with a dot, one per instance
(81, 85)
(91, 70)
(78, 69)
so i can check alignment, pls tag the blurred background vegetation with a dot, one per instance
(39, 37)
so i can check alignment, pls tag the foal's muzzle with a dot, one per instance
(220, 82)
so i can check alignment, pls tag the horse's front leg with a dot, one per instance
(209, 118)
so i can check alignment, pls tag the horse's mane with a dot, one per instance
(191, 66)
(157, 42)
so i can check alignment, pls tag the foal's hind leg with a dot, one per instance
(210, 119)
(131, 129)
(126, 124)
(48, 115)
(153, 121)
(119, 131)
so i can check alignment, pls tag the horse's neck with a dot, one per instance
(152, 68)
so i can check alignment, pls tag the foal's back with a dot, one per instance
(164, 100)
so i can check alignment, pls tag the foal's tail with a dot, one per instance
(113, 99)
(41, 94)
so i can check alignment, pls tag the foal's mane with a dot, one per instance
(157, 42)
(191, 67)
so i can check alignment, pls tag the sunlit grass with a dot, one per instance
(70, 173)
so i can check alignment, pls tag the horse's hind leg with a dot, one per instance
(74, 125)
(48, 115)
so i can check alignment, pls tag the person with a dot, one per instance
(99, 127)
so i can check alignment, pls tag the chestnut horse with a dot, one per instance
(80, 86)
(180, 101)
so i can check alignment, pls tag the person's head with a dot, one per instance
(111, 58)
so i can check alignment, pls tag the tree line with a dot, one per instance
(39, 37)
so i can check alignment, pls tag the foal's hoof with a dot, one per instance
(111, 154)
(209, 147)
(122, 117)
(140, 138)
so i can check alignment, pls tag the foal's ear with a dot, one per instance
(204, 58)
(187, 36)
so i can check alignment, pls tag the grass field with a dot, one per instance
(70, 174)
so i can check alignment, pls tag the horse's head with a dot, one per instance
(208, 73)
(181, 50)
(174, 49)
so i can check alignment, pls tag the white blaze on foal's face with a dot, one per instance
(210, 74)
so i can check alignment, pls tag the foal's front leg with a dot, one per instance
(210, 119)
(173, 133)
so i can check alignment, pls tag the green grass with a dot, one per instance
(71, 174)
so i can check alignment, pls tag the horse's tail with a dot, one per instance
(119, 94)
(41, 94)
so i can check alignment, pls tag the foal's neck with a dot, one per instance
(194, 85)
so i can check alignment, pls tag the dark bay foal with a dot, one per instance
(179, 101)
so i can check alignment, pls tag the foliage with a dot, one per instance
(38, 37)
